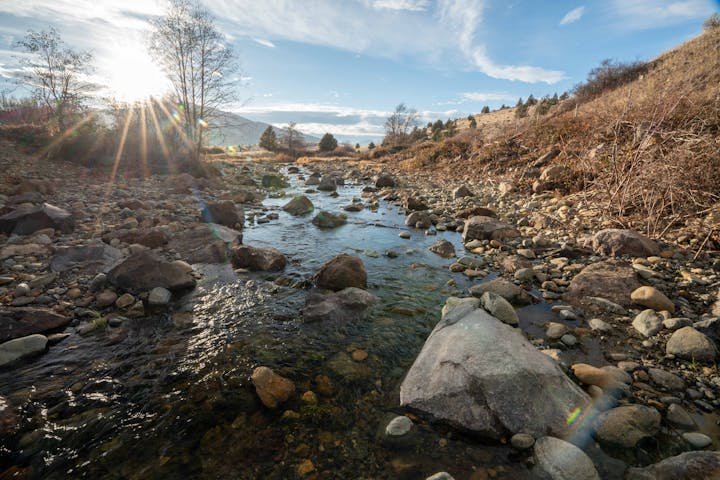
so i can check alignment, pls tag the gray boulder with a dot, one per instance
(443, 248)
(262, 259)
(349, 304)
(22, 347)
(625, 427)
(686, 466)
(24, 321)
(224, 213)
(487, 228)
(613, 280)
(144, 271)
(98, 257)
(24, 221)
(483, 376)
(300, 205)
(690, 344)
(616, 242)
(556, 459)
(206, 243)
(648, 323)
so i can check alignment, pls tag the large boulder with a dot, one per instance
(692, 345)
(385, 181)
(24, 321)
(300, 205)
(94, 258)
(328, 220)
(24, 221)
(349, 304)
(557, 459)
(253, 258)
(483, 376)
(274, 181)
(341, 272)
(487, 228)
(327, 184)
(223, 213)
(143, 271)
(617, 241)
(206, 243)
(627, 426)
(686, 466)
(613, 280)
(444, 248)
(23, 347)
(412, 204)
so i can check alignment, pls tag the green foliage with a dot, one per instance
(712, 22)
(357, 146)
(531, 101)
(328, 143)
(519, 103)
(473, 122)
(371, 145)
(268, 139)
(485, 109)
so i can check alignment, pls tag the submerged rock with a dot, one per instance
(271, 387)
(483, 376)
(346, 305)
(341, 272)
(24, 321)
(328, 220)
(300, 205)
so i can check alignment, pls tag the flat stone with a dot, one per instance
(20, 348)
(399, 426)
(652, 298)
(626, 426)
(668, 381)
(159, 297)
(697, 440)
(522, 441)
(25, 321)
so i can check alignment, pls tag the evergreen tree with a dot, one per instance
(520, 102)
(357, 146)
(371, 145)
(268, 139)
(473, 122)
(531, 101)
(485, 109)
(327, 143)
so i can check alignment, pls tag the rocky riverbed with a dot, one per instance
(323, 321)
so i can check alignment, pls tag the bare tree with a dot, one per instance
(292, 138)
(399, 124)
(198, 62)
(56, 74)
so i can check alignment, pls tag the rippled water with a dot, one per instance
(170, 397)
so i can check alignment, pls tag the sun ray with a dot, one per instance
(66, 134)
(143, 142)
(161, 138)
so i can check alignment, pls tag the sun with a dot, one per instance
(132, 75)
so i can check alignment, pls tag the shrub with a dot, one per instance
(268, 139)
(712, 22)
(213, 150)
(609, 75)
(328, 143)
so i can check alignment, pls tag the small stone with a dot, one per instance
(159, 297)
(499, 308)
(626, 426)
(652, 298)
(116, 321)
(399, 426)
(689, 344)
(697, 440)
(305, 467)
(648, 323)
(561, 460)
(22, 290)
(441, 476)
(271, 387)
(600, 325)
(126, 300)
(522, 441)
(569, 340)
(555, 330)
(359, 355)
(404, 235)
(98, 282)
(666, 380)
(679, 417)
(105, 299)
(309, 398)
(676, 323)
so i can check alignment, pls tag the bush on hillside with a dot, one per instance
(712, 22)
(609, 75)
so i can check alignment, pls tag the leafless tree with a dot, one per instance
(400, 124)
(56, 74)
(199, 63)
(292, 138)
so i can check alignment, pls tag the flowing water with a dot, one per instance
(170, 396)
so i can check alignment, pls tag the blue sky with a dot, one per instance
(341, 65)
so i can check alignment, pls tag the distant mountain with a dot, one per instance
(232, 129)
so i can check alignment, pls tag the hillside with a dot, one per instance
(643, 150)
(232, 129)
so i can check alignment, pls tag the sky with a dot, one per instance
(341, 66)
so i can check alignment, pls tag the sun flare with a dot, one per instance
(133, 76)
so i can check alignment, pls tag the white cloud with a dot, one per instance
(646, 14)
(360, 129)
(409, 5)
(523, 73)
(486, 96)
(263, 42)
(573, 15)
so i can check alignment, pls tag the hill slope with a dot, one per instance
(232, 129)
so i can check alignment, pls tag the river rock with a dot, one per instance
(557, 459)
(605, 379)
(475, 212)
(206, 243)
(327, 184)
(24, 221)
(686, 466)
(255, 258)
(24, 321)
(627, 426)
(499, 308)
(274, 181)
(349, 304)
(385, 180)
(300, 205)
(443, 248)
(272, 389)
(613, 280)
(154, 238)
(159, 297)
(97, 257)
(23, 347)
(461, 192)
(144, 271)
(341, 272)
(678, 417)
(651, 297)
(412, 204)
(420, 220)
(328, 220)
(224, 213)
(692, 345)
(616, 242)
(648, 323)
(487, 228)
(506, 289)
(666, 380)
(105, 299)
(482, 375)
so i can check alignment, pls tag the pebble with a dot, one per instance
(697, 440)
(359, 355)
(600, 325)
(569, 340)
(522, 441)
(404, 235)
(124, 301)
(399, 426)
(22, 290)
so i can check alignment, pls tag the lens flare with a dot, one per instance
(573, 416)
(202, 123)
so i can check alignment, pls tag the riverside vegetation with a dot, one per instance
(535, 296)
